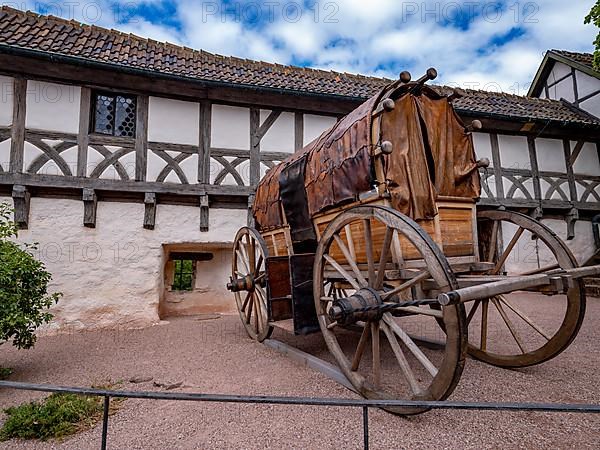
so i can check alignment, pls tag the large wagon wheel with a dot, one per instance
(396, 365)
(524, 328)
(249, 278)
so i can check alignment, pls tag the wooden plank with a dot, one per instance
(497, 165)
(535, 172)
(204, 150)
(308, 360)
(576, 151)
(254, 147)
(569, 165)
(90, 204)
(204, 211)
(17, 145)
(85, 111)
(141, 138)
(298, 131)
(21, 200)
(149, 210)
(267, 124)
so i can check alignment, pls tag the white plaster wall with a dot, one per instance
(230, 127)
(173, 121)
(587, 162)
(526, 253)
(586, 84)
(52, 107)
(592, 105)
(550, 155)
(111, 276)
(315, 125)
(514, 152)
(564, 89)
(5, 154)
(558, 71)
(6, 100)
(280, 137)
(483, 146)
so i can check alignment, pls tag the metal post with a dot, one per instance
(105, 421)
(366, 427)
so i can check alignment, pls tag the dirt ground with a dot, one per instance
(215, 356)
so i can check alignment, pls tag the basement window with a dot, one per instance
(184, 269)
(183, 276)
(114, 114)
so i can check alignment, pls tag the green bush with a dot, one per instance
(56, 416)
(24, 298)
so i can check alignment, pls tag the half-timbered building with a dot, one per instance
(132, 162)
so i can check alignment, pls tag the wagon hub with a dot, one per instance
(242, 284)
(364, 305)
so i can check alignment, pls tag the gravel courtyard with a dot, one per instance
(215, 356)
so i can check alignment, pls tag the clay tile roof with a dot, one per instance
(34, 32)
(585, 59)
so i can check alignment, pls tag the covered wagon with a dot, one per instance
(371, 236)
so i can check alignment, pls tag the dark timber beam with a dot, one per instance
(254, 147)
(298, 131)
(141, 138)
(21, 199)
(17, 145)
(204, 142)
(83, 139)
(90, 205)
(149, 210)
(204, 213)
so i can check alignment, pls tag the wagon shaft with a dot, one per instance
(558, 280)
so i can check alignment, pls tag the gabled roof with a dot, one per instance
(52, 37)
(583, 62)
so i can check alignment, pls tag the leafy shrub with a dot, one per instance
(24, 298)
(56, 416)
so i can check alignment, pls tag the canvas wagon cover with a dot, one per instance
(432, 155)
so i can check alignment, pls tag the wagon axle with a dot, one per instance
(246, 283)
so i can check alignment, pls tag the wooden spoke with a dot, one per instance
(508, 250)
(245, 304)
(243, 261)
(485, 304)
(422, 311)
(263, 297)
(332, 325)
(376, 356)
(370, 254)
(259, 278)
(252, 252)
(351, 261)
(360, 349)
(473, 310)
(327, 299)
(348, 230)
(494, 242)
(258, 265)
(342, 272)
(256, 313)
(541, 270)
(407, 285)
(410, 344)
(250, 306)
(509, 324)
(525, 318)
(240, 274)
(385, 255)
(402, 361)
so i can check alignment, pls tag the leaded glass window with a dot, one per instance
(114, 114)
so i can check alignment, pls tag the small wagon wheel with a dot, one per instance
(362, 251)
(248, 281)
(525, 328)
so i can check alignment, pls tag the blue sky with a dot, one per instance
(492, 45)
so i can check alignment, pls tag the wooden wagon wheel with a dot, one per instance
(248, 272)
(400, 366)
(525, 328)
